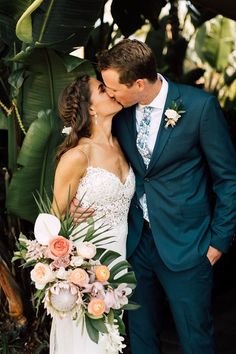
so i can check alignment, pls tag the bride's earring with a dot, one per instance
(96, 119)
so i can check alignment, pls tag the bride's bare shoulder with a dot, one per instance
(76, 156)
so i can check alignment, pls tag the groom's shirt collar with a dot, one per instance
(160, 99)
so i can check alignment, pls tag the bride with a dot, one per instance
(93, 168)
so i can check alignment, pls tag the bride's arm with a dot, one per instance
(69, 171)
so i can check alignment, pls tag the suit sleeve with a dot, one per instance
(220, 153)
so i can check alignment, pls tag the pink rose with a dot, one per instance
(79, 277)
(59, 246)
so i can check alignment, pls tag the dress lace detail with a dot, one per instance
(103, 191)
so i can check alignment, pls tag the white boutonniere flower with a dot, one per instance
(173, 114)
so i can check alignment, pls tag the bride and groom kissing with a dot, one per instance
(152, 172)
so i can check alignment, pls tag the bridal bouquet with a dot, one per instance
(75, 276)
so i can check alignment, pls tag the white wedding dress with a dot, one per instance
(111, 198)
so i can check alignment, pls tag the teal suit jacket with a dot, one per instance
(189, 161)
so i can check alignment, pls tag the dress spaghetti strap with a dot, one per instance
(86, 155)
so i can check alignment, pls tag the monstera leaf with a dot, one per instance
(215, 41)
(60, 24)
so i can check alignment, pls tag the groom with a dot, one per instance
(177, 141)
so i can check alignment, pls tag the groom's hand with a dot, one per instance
(213, 255)
(78, 213)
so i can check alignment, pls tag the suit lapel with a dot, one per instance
(164, 133)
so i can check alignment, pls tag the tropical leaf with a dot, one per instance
(46, 74)
(128, 278)
(109, 257)
(7, 29)
(24, 25)
(215, 41)
(99, 325)
(36, 166)
(14, 8)
(61, 25)
(3, 120)
(92, 332)
(117, 268)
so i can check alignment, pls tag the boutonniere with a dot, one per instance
(173, 114)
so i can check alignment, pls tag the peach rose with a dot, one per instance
(79, 277)
(58, 247)
(41, 274)
(96, 307)
(102, 273)
(86, 250)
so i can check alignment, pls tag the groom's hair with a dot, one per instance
(132, 59)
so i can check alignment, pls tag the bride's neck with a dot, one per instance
(101, 133)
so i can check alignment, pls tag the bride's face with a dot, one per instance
(102, 104)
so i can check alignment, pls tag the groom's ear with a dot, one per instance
(140, 84)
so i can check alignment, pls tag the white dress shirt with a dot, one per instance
(156, 115)
(158, 106)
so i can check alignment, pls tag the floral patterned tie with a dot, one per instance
(143, 133)
(142, 145)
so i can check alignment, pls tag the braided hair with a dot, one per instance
(73, 107)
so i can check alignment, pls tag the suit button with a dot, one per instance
(146, 179)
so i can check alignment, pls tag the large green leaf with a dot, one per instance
(60, 24)
(36, 166)
(215, 41)
(46, 74)
(3, 120)
(13, 8)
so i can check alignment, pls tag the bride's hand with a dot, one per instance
(80, 214)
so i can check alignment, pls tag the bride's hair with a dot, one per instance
(73, 107)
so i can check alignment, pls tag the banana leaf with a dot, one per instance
(215, 41)
(46, 73)
(3, 120)
(61, 25)
(12, 8)
(36, 166)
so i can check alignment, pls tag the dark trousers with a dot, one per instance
(189, 296)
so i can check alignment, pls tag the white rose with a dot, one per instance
(41, 274)
(172, 114)
(86, 250)
(76, 261)
(62, 273)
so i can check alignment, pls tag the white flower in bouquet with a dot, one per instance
(61, 273)
(76, 261)
(114, 341)
(77, 278)
(41, 274)
(62, 299)
(120, 294)
(86, 250)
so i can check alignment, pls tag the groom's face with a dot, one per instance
(126, 95)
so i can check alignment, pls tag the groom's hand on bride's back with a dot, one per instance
(78, 213)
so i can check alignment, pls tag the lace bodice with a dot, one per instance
(103, 191)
